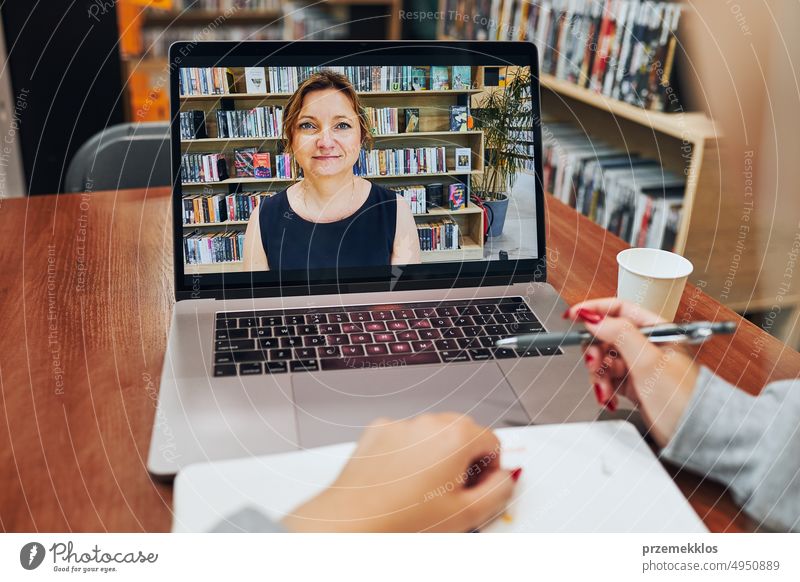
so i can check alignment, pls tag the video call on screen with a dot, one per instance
(434, 142)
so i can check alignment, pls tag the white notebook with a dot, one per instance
(582, 477)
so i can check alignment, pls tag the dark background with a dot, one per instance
(69, 64)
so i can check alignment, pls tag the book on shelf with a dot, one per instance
(419, 76)
(157, 39)
(491, 76)
(412, 119)
(631, 196)
(287, 79)
(623, 49)
(521, 135)
(414, 195)
(311, 22)
(571, 159)
(205, 81)
(462, 77)
(654, 207)
(400, 162)
(458, 117)
(285, 167)
(434, 194)
(193, 124)
(255, 80)
(440, 78)
(472, 28)
(262, 168)
(203, 248)
(501, 77)
(439, 235)
(204, 168)
(590, 196)
(190, 6)
(463, 159)
(457, 196)
(220, 208)
(671, 227)
(200, 168)
(383, 120)
(525, 151)
(266, 121)
(364, 78)
(243, 162)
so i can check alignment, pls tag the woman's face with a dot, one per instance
(327, 137)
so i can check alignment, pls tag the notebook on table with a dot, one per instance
(582, 477)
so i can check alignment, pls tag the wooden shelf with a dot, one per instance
(689, 144)
(686, 143)
(433, 212)
(440, 211)
(469, 251)
(239, 181)
(215, 224)
(215, 141)
(208, 268)
(272, 180)
(693, 127)
(363, 94)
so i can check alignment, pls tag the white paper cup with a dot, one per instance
(653, 279)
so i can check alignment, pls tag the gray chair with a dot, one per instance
(128, 155)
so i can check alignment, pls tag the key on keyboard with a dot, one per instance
(299, 340)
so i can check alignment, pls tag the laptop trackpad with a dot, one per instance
(336, 406)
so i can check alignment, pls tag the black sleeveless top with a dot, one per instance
(363, 239)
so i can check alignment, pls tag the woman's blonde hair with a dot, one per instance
(318, 81)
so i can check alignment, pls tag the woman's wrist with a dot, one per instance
(664, 392)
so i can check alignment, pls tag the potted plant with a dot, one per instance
(501, 114)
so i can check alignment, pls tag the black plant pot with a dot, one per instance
(498, 207)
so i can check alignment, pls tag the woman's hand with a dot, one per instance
(435, 472)
(658, 380)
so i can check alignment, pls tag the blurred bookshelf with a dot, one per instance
(147, 29)
(684, 142)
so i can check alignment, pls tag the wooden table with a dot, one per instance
(86, 297)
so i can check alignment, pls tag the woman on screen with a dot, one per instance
(331, 218)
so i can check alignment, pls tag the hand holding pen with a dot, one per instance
(621, 361)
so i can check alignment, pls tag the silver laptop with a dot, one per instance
(270, 360)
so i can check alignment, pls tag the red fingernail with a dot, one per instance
(611, 405)
(589, 316)
(565, 315)
(598, 394)
(589, 358)
(516, 473)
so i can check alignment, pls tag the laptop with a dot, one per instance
(263, 361)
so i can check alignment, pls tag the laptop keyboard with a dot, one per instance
(277, 341)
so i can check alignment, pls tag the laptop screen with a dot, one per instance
(303, 164)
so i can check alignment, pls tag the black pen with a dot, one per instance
(694, 332)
